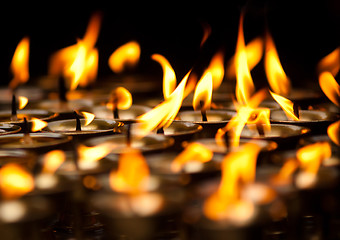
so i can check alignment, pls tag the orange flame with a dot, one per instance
(15, 181)
(203, 92)
(277, 78)
(22, 102)
(206, 33)
(285, 174)
(286, 105)
(19, 64)
(126, 55)
(37, 124)
(169, 76)
(330, 63)
(89, 117)
(93, 154)
(330, 87)
(121, 97)
(193, 152)
(333, 132)
(132, 172)
(52, 161)
(238, 170)
(216, 68)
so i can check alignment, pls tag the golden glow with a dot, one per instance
(330, 87)
(206, 33)
(330, 63)
(126, 55)
(285, 174)
(121, 97)
(19, 64)
(193, 152)
(15, 181)
(169, 76)
(22, 102)
(278, 81)
(333, 132)
(286, 105)
(52, 161)
(88, 117)
(132, 172)
(238, 170)
(93, 154)
(216, 68)
(203, 92)
(37, 124)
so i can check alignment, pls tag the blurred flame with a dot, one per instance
(126, 55)
(277, 78)
(121, 97)
(203, 92)
(333, 132)
(330, 63)
(330, 87)
(22, 102)
(19, 64)
(163, 114)
(88, 117)
(285, 173)
(286, 105)
(206, 33)
(52, 161)
(169, 76)
(238, 170)
(37, 124)
(254, 50)
(193, 152)
(93, 154)
(216, 68)
(15, 181)
(131, 174)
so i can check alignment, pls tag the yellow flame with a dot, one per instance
(131, 174)
(278, 81)
(15, 181)
(19, 64)
(330, 63)
(330, 87)
(206, 33)
(238, 170)
(93, 154)
(333, 132)
(37, 124)
(53, 160)
(216, 68)
(193, 152)
(286, 105)
(89, 117)
(22, 102)
(169, 76)
(285, 174)
(203, 92)
(121, 98)
(126, 55)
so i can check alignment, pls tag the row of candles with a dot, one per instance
(259, 164)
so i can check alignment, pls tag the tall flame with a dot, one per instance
(169, 76)
(333, 132)
(216, 68)
(277, 78)
(52, 161)
(203, 92)
(330, 87)
(19, 64)
(286, 105)
(330, 63)
(126, 55)
(15, 181)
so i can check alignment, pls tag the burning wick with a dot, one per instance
(78, 124)
(296, 109)
(14, 109)
(128, 136)
(203, 112)
(160, 130)
(259, 128)
(27, 138)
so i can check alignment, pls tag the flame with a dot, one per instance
(93, 154)
(37, 124)
(285, 173)
(52, 161)
(330, 63)
(254, 50)
(286, 105)
(121, 97)
(22, 102)
(88, 117)
(15, 181)
(206, 33)
(330, 87)
(333, 132)
(238, 170)
(164, 113)
(277, 78)
(126, 55)
(169, 76)
(19, 64)
(203, 92)
(193, 152)
(131, 174)
(216, 68)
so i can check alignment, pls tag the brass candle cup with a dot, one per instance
(18, 156)
(34, 94)
(6, 128)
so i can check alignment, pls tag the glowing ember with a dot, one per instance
(126, 55)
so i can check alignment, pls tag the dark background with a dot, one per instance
(304, 32)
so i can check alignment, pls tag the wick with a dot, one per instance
(296, 109)
(115, 107)
(160, 130)
(27, 138)
(128, 135)
(14, 116)
(227, 141)
(78, 124)
(260, 129)
(203, 112)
